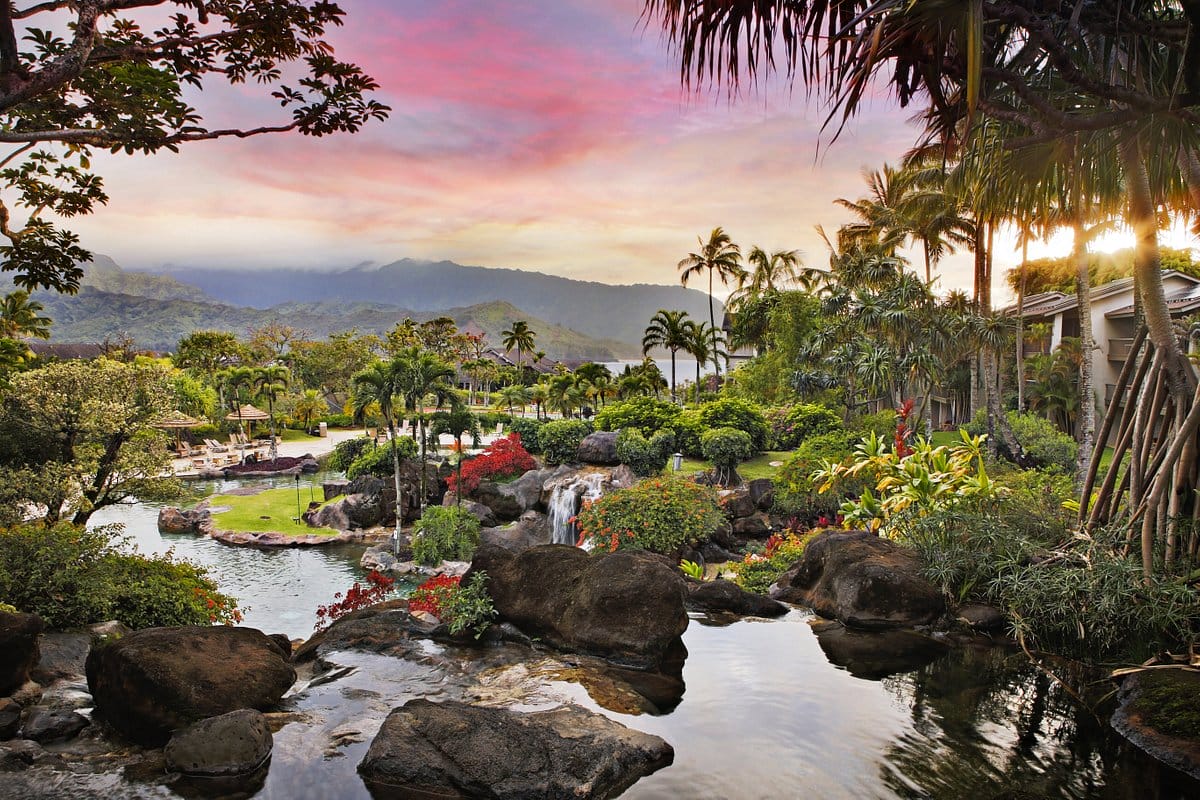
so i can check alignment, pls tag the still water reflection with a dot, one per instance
(279, 590)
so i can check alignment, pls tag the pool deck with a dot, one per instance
(315, 446)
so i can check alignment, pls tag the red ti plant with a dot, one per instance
(431, 595)
(903, 432)
(358, 596)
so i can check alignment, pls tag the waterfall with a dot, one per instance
(565, 500)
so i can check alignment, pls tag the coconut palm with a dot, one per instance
(704, 344)
(235, 383)
(773, 272)
(379, 386)
(22, 318)
(270, 382)
(520, 338)
(669, 330)
(512, 396)
(308, 406)
(721, 258)
(419, 375)
(564, 395)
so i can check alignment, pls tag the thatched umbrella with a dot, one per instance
(247, 412)
(177, 421)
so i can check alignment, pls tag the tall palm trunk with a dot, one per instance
(392, 433)
(674, 398)
(1087, 402)
(1147, 271)
(1021, 322)
(712, 321)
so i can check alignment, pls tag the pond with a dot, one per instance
(278, 590)
(764, 713)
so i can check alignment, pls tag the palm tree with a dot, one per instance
(704, 345)
(233, 382)
(270, 382)
(511, 396)
(420, 373)
(309, 405)
(772, 272)
(721, 258)
(520, 338)
(21, 317)
(379, 385)
(669, 330)
(564, 394)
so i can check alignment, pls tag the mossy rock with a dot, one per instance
(1160, 713)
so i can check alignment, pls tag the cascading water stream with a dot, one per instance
(565, 501)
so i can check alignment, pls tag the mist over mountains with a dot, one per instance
(573, 319)
(596, 309)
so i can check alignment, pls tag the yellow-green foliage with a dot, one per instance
(924, 479)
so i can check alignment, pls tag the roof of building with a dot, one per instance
(1044, 304)
(68, 351)
(1185, 300)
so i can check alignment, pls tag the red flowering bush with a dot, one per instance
(359, 596)
(434, 594)
(503, 458)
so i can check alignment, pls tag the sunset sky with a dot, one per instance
(549, 135)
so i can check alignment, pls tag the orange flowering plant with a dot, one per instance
(658, 514)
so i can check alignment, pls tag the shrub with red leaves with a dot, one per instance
(359, 596)
(503, 458)
(431, 595)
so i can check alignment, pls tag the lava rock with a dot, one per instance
(10, 718)
(177, 520)
(18, 649)
(64, 654)
(503, 504)
(531, 530)
(157, 680)
(713, 553)
(599, 448)
(862, 581)
(485, 515)
(43, 725)
(451, 749)
(762, 493)
(737, 504)
(333, 488)
(237, 743)
(628, 607)
(983, 618)
(756, 526)
(727, 596)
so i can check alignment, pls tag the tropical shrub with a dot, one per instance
(346, 451)
(647, 414)
(377, 460)
(881, 423)
(1039, 438)
(560, 439)
(688, 428)
(1062, 592)
(791, 425)
(692, 569)
(488, 420)
(336, 420)
(796, 494)
(72, 576)
(459, 606)
(730, 412)
(657, 514)
(726, 448)
(917, 478)
(357, 597)
(445, 534)
(757, 571)
(644, 456)
(528, 429)
(503, 458)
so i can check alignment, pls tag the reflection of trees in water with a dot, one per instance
(984, 720)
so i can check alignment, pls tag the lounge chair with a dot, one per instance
(215, 446)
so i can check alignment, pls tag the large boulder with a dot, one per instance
(18, 649)
(862, 581)
(178, 520)
(157, 680)
(485, 515)
(44, 725)
(727, 597)
(64, 654)
(762, 493)
(503, 503)
(599, 448)
(237, 743)
(628, 607)
(531, 530)
(453, 750)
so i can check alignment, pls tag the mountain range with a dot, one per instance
(572, 319)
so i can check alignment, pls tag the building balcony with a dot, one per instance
(1119, 349)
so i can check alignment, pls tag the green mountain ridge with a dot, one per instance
(157, 323)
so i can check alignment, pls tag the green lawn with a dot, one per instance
(271, 510)
(757, 467)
